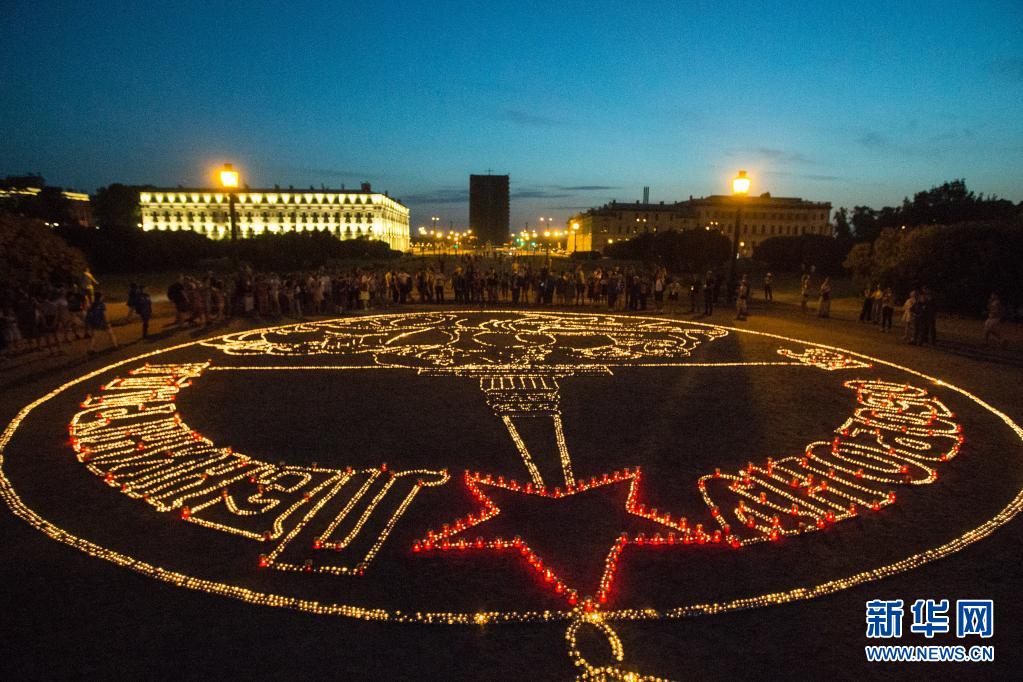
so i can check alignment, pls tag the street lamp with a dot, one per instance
(229, 179)
(740, 188)
(575, 229)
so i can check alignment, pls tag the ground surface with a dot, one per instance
(68, 613)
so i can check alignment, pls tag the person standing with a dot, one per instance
(804, 291)
(907, 316)
(438, 286)
(742, 299)
(659, 290)
(768, 287)
(96, 321)
(674, 291)
(144, 307)
(176, 295)
(76, 306)
(89, 284)
(887, 308)
(920, 313)
(868, 304)
(930, 321)
(133, 293)
(824, 302)
(993, 323)
(709, 293)
(876, 298)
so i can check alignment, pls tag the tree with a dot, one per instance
(864, 223)
(49, 205)
(842, 229)
(31, 254)
(799, 253)
(961, 263)
(860, 263)
(116, 207)
(945, 204)
(678, 251)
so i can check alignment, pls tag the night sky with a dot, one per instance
(853, 103)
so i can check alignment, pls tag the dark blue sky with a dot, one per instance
(851, 103)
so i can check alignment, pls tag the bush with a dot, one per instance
(961, 263)
(131, 250)
(799, 253)
(31, 254)
(296, 250)
(685, 251)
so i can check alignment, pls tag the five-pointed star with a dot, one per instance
(586, 555)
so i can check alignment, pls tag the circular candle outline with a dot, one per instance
(34, 519)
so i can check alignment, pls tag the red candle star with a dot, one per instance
(572, 563)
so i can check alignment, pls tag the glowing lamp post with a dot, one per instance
(229, 179)
(575, 229)
(740, 188)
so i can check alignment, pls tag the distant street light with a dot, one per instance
(740, 188)
(229, 180)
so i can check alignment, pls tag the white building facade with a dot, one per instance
(346, 214)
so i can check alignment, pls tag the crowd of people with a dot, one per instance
(50, 318)
(919, 313)
(470, 282)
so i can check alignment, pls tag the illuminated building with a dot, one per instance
(488, 207)
(615, 222)
(18, 191)
(344, 213)
(763, 217)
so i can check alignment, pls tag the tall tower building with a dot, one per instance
(488, 208)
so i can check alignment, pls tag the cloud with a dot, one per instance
(1009, 68)
(951, 135)
(585, 188)
(772, 154)
(525, 118)
(804, 176)
(780, 155)
(439, 196)
(461, 196)
(334, 172)
(873, 140)
(931, 146)
(537, 194)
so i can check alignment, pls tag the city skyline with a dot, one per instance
(577, 106)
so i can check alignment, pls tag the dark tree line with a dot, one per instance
(136, 251)
(678, 251)
(801, 253)
(946, 204)
(962, 263)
